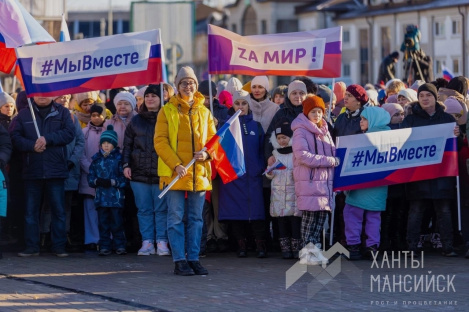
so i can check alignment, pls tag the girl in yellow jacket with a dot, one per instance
(183, 127)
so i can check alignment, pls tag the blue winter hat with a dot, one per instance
(109, 136)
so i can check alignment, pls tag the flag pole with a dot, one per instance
(30, 106)
(162, 72)
(459, 204)
(331, 228)
(210, 91)
(330, 103)
(34, 117)
(177, 178)
(210, 76)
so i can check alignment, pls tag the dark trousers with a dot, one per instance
(442, 209)
(238, 228)
(53, 190)
(110, 221)
(289, 227)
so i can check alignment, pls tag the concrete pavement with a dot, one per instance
(86, 282)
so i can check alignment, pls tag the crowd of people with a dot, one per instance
(115, 156)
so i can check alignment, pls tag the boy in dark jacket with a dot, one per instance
(106, 174)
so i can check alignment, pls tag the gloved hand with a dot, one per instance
(103, 182)
(70, 165)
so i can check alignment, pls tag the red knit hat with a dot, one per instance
(358, 92)
(312, 102)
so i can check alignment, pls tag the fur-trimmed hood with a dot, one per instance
(273, 140)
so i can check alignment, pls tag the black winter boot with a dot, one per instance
(296, 245)
(261, 248)
(285, 246)
(242, 249)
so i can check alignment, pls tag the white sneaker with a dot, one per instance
(318, 253)
(147, 248)
(312, 255)
(162, 249)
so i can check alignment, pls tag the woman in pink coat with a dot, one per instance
(313, 170)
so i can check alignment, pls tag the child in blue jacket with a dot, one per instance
(366, 204)
(106, 174)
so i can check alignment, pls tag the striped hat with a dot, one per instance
(109, 136)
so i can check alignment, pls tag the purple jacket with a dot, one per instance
(92, 135)
(313, 163)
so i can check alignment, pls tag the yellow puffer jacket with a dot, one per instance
(180, 131)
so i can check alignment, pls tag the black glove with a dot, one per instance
(103, 182)
(70, 165)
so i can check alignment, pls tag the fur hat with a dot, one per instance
(358, 92)
(409, 94)
(6, 98)
(312, 102)
(296, 85)
(205, 90)
(97, 108)
(392, 108)
(86, 95)
(453, 106)
(458, 84)
(109, 136)
(185, 72)
(125, 96)
(429, 88)
(241, 95)
(261, 81)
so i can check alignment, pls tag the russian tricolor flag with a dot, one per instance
(277, 165)
(226, 150)
(447, 74)
(17, 28)
(64, 34)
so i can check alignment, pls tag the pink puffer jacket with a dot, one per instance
(313, 162)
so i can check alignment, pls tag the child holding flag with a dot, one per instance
(283, 199)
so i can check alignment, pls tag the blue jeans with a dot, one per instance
(53, 190)
(152, 211)
(111, 222)
(195, 204)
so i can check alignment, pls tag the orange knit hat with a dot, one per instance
(312, 102)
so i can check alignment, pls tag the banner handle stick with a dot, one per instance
(210, 91)
(162, 94)
(330, 103)
(331, 229)
(459, 203)
(177, 178)
(14, 82)
(34, 117)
